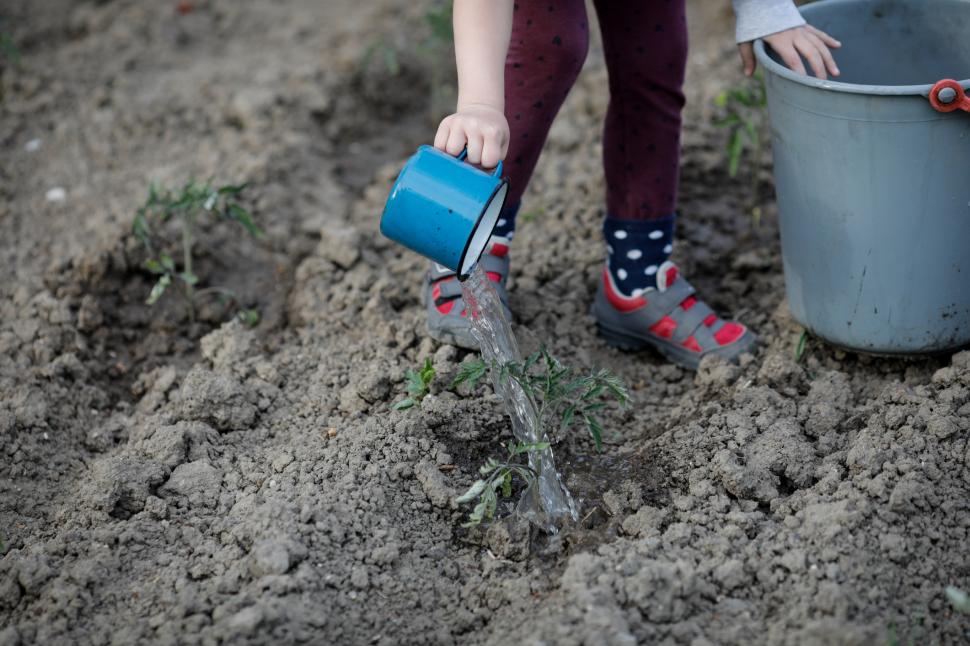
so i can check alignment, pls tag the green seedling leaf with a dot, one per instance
(427, 372)
(958, 599)
(241, 215)
(595, 430)
(473, 492)
(163, 282)
(154, 266)
(249, 317)
(524, 447)
(507, 484)
(167, 262)
(800, 346)
(188, 278)
(470, 372)
(404, 404)
(232, 190)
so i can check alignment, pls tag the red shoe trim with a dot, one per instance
(435, 292)
(494, 276)
(729, 333)
(463, 312)
(688, 302)
(445, 308)
(671, 275)
(500, 250)
(691, 344)
(618, 301)
(710, 320)
(664, 328)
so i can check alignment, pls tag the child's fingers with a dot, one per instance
(790, 56)
(825, 54)
(807, 49)
(492, 153)
(825, 38)
(456, 140)
(441, 137)
(475, 144)
(747, 58)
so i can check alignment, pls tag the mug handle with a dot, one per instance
(495, 173)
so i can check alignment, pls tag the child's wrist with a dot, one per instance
(480, 104)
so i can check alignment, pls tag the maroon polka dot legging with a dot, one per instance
(645, 45)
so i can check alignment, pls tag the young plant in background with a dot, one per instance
(438, 50)
(417, 385)
(745, 117)
(562, 396)
(186, 205)
(497, 479)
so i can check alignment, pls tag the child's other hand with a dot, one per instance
(794, 43)
(482, 129)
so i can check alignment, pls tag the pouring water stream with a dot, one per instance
(548, 499)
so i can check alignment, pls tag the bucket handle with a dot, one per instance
(948, 95)
(498, 169)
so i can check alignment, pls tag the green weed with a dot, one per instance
(497, 479)
(800, 346)
(9, 53)
(186, 205)
(561, 395)
(417, 385)
(958, 599)
(745, 117)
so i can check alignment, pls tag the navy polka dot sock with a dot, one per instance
(636, 249)
(505, 227)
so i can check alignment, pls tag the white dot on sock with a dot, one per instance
(651, 270)
(510, 235)
(621, 274)
(656, 235)
(668, 248)
(609, 248)
(501, 223)
(633, 254)
(619, 234)
(637, 292)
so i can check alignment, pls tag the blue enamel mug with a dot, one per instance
(444, 209)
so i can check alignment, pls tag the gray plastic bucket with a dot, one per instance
(873, 183)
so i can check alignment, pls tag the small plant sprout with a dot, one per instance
(958, 599)
(800, 346)
(185, 206)
(745, 118)
(560, 394)
(8, 50)
(417, 385)
(497, 479)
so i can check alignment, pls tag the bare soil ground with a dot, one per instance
(164, 481)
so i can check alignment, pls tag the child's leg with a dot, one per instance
(546, 53)
(645, 45)
(642, 300)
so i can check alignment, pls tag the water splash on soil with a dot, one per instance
(548, 499)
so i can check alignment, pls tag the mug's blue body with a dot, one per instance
(444, 208)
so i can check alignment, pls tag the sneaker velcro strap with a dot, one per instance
(496, 264)
(661, 304)
(449, 289)
(689, 320)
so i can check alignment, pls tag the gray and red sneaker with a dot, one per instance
(669, 318)
(447, 316)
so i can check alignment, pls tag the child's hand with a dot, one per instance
(482, 129)
(793, 43)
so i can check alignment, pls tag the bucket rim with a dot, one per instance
(774, 67)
